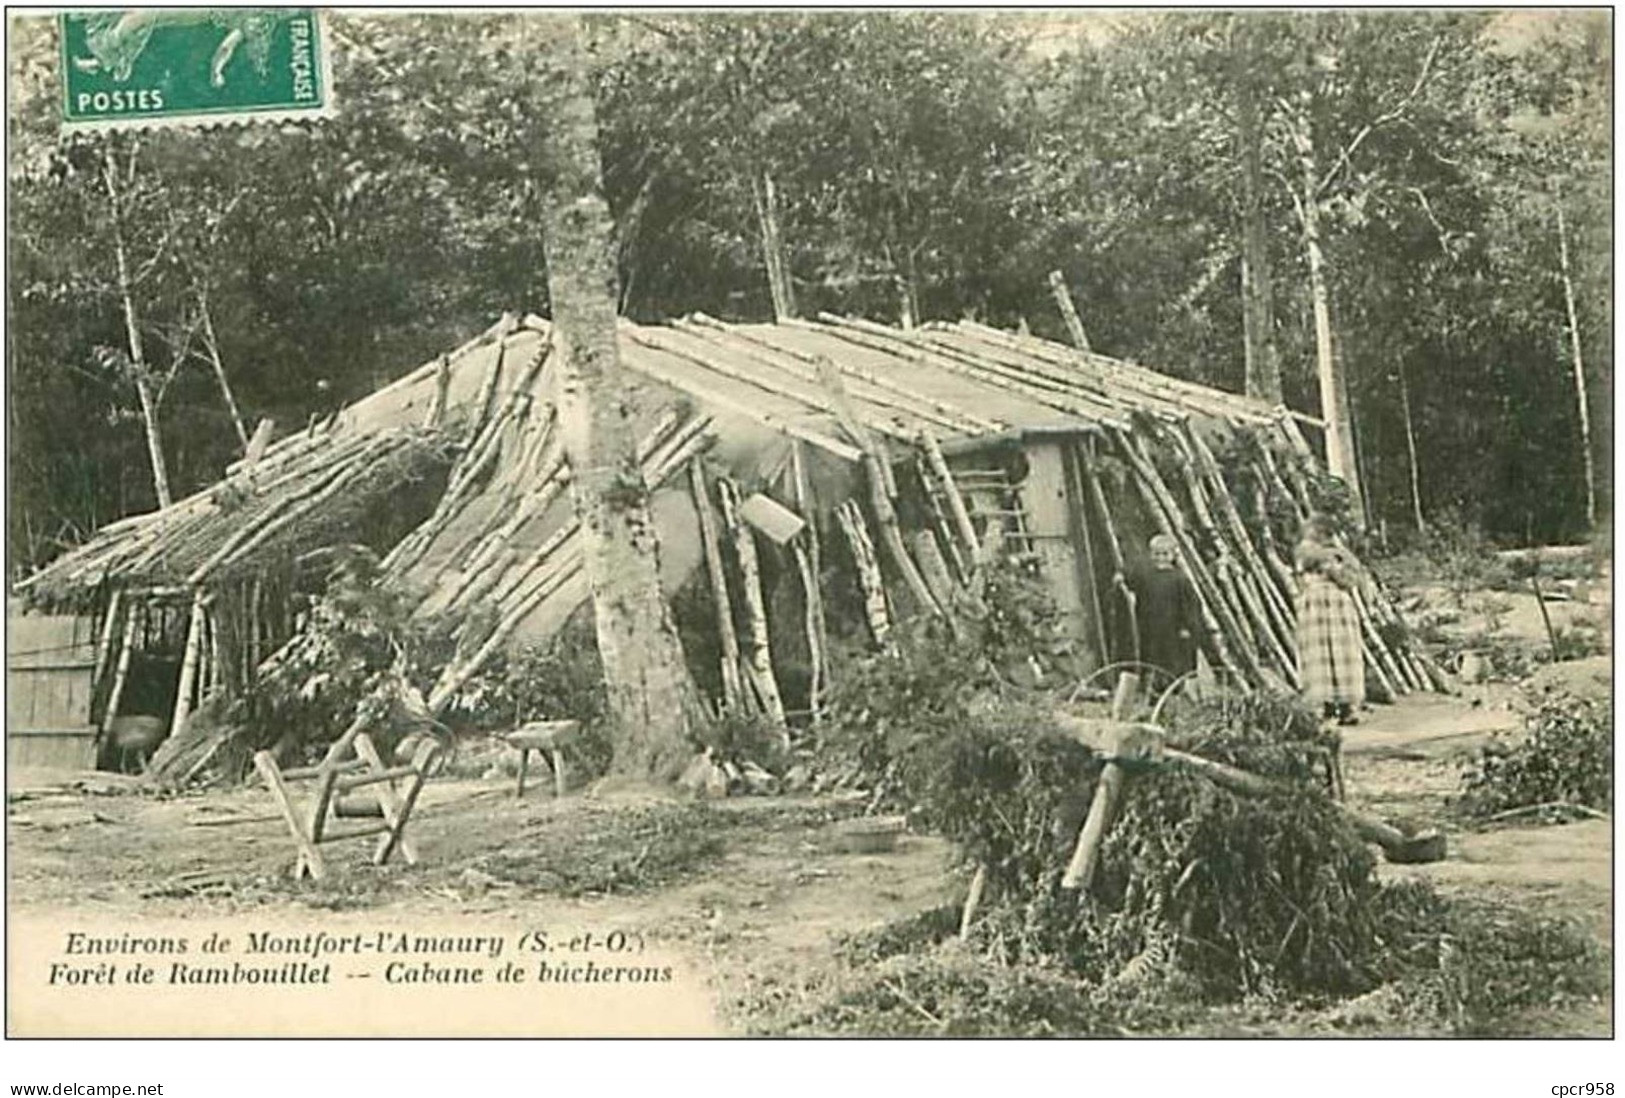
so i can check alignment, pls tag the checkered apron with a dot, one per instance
(1331, 665)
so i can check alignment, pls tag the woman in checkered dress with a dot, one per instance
(1331, 664)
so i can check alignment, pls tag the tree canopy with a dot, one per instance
(938, 163)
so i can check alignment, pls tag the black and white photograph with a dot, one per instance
(809, 523)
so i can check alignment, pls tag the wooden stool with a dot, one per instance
(336, 775)
(548, 736)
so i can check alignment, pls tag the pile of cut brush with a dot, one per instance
(1200, 895)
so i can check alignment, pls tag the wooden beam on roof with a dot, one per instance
(1069, 311)
(1016, 436)
(1129, 374)
(905, 399)
(1024, 365)
(649, 368)
(911, 348)
(651, 338)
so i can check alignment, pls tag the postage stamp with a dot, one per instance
(148, 67)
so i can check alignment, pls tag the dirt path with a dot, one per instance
(766, 908)
(1404, 762)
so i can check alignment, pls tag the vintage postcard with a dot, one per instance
(810, 523)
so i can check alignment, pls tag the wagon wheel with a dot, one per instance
(1099, 682)
(1186, 694)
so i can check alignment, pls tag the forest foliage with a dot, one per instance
(938, 163)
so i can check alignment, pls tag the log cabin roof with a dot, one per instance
(966, 384)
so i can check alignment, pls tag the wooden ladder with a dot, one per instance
(351, 763)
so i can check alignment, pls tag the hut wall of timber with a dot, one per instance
(841, 460)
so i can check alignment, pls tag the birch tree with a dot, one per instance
(650, 695)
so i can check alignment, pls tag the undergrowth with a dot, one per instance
(1448, 968)
(1565, 757)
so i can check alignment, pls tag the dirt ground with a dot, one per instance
(759, 915)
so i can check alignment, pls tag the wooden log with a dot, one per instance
(293, 509)
(934, 568)
(1097, 495)
(1080, 870)
(517, 503)
(104, 646)
(758, 653)
(1147, 744)
(1164, 391)
(453, 678)
(1061, 396)
(937, 522)
(189, 664)
(882, 489)
(647, 366)
(1215, 511)
(310, 858)
(253, 617)
(1276, 597)
(938, 465)
(477, 457)
(813, 603)
(396, 834)
(812, 579)
(1069, 311)
(850, 516)
(733, 695)
(815, 393)
(254, 451)
(1378, 648)
(1426, 846)
(121, 671)
(442, 384)
(973, 900)
(890, 394)
(495, 544)
(485, 402)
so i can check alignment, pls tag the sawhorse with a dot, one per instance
(337, 775)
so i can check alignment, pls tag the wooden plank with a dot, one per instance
(1048, 511)
(310, 859)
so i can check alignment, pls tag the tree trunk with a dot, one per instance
(1410, 445)
(132, 331)
(778, 271)
(1263, 360)
(1580, 400)
(1334, 407)
(651, 698)
(220, 369)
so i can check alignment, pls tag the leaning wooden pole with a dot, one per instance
(1114, 546)
(189, 664)
(850, 516)
(938, 464)
(759, 659)
(732, 690)
(1080, 870)
(1069, 311)
(104, 647)
(121, 672)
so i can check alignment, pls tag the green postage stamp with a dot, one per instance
(153, 67)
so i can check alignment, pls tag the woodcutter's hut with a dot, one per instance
(799, 470)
